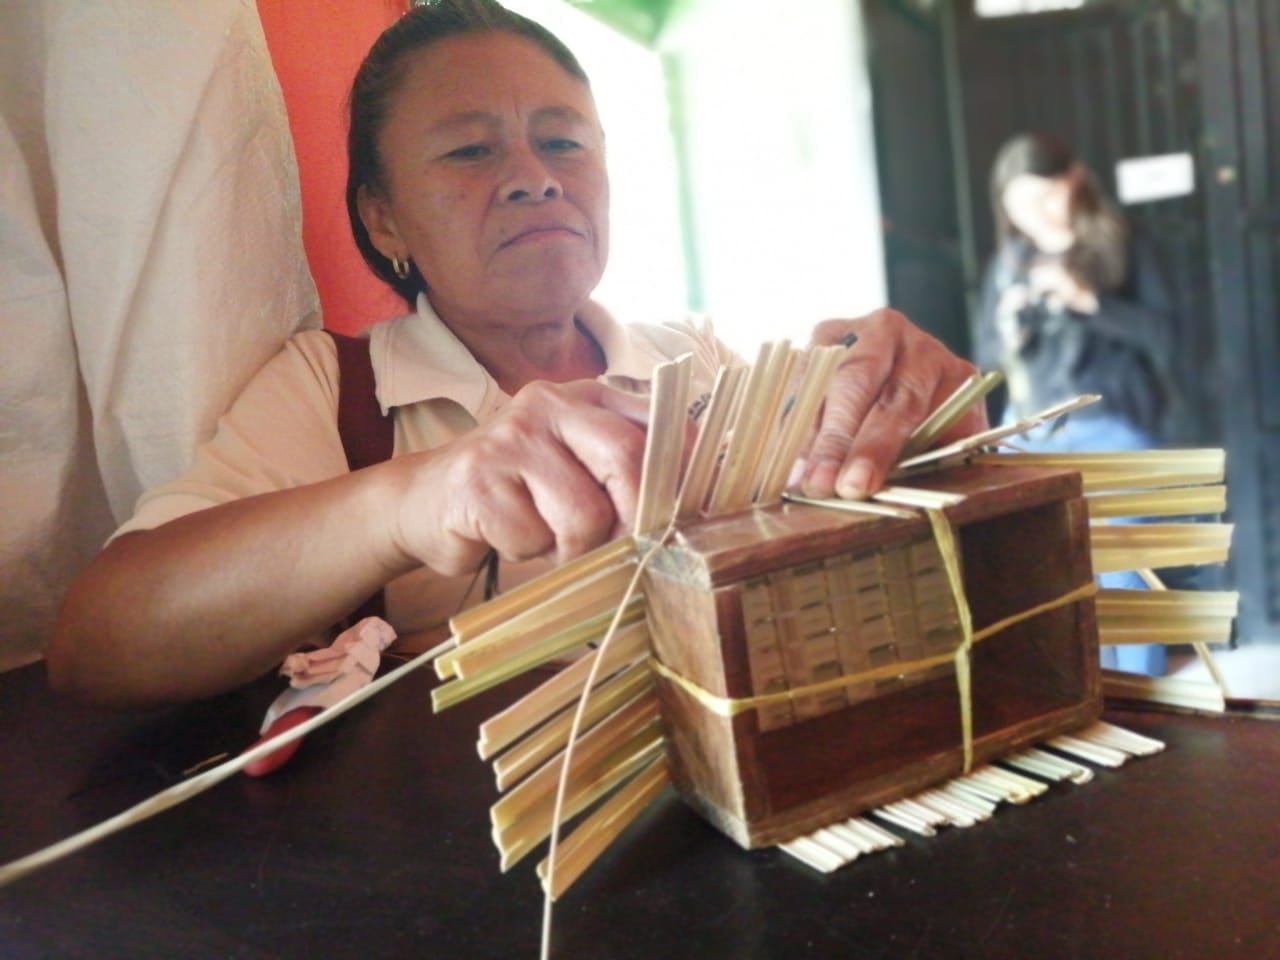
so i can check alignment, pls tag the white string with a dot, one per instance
(562, 783)
(181, 792)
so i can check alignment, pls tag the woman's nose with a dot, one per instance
(528, 179)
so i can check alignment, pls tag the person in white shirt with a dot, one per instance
(151, 261)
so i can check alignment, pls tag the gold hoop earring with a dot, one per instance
(400, 268)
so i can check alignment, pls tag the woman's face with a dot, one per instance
(496, 183)
(1040, 207)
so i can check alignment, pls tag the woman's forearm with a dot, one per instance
(214, 599)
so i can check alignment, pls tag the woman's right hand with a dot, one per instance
(556, 473)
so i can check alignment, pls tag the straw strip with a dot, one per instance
(951, 410)
(987, 438)
(1154, 583)
(550, 739)
(1126, 470)
(853, 506)
(1142, 546)
(822, 365)
(751, 424)
(1167, 502)
(471, 623)
(548, 619)
(519, 839)
(1169, 691)
(664, 444)
(589, 748)
(557, 645)
(708, 447)
(594, 835)
(505, 728)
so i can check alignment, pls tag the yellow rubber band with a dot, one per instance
(732, 706)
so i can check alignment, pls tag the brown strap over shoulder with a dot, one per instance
(367, 435)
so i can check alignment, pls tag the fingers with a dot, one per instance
(556, 473)
(891, 380)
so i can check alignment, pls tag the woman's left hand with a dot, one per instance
(894, 376)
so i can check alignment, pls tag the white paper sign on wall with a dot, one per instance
(1144, 179)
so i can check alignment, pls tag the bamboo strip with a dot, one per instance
(899, 819)
(853, 506)
(822, 366)
(469, 624)
(874, 833)
(550, 739)
(917, 497)
(1145, 546)
(956, 812)
(1049, 765)
(1121, 739)
(592, 837)
(549, 618)
(1170, 691)
(709, 444)
(951, 409)
(858, 840)
(1154, 583)
(1094, 753)
(1167, 502)
(831, 840)
(664, 444)
(771, 421)
(1169, 632)
(813, 855)
(577, 636)
(1162, 602)
(968, 798)
(758, 401)
(505, 728)
(589, 749)
(1126, 470)
(987, 438)
(518, 840)
(1165, 616)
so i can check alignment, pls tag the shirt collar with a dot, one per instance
(416, 358)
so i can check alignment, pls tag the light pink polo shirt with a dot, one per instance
(281, 432)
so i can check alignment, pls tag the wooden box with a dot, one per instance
(791, 595)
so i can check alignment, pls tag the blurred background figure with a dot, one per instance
(1073, 302)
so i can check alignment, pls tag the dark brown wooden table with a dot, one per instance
(374, 843)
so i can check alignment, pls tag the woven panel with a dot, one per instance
(842, 617)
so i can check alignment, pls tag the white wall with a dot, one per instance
(782, 177)
(645, 277)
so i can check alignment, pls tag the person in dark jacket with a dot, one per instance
(1073, 302)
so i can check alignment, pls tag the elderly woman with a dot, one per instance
(477, 188)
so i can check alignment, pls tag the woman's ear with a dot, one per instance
(375, 214)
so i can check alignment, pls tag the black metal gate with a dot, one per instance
(1120, 79)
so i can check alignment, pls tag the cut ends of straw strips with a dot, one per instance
(973, 798)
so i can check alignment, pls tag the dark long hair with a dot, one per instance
(1100, 255)
(378, 80)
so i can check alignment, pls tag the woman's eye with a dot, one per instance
(561, 145)
(472, 151)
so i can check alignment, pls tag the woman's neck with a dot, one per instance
(559, 350)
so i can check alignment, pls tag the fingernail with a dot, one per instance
(796, 476)
(821, 481)
(855, 482)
